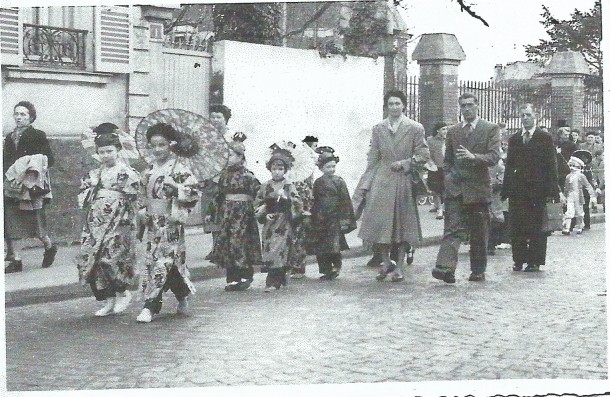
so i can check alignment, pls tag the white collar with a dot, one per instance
(400, 121)
(531, 131)
(473, 123)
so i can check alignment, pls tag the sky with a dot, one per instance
(513, 24)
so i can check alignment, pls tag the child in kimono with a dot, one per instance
(237, 246)
(107, 255)
(573, 196)
(171, 193)
(277, 205)
(332, 216)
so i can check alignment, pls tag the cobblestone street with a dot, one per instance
(543, 325)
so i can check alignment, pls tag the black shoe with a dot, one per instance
(444, 275)
(532, 268)
(14, 267)
(517, 267)
(410, 255)
(49, 256)
(476, 277)
(326, 277)
(375, 261)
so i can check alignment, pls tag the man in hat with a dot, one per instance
(530, 180)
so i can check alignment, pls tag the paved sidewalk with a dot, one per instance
(60, 282)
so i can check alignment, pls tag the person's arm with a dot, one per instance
(42, 143)
(492, 153)
(421, 152)
(552, 179)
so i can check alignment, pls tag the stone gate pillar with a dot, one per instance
(438, 56)
(567, 70)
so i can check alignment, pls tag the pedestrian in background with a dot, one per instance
(497, 208)
(436, 144)
(237, 247)
(332, 216)
(171, 191)
(530, 181)
(25, 214)
(277, 205)
(109, 195)
(472, 147)
(390, 215)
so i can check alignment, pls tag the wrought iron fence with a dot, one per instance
(50, 45)
(499, 103)
(188, 41)
(409, 85)
(593, 109)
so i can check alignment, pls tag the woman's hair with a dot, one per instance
(108, 139)
(437, 127)
(165, 130)
(30, 107)
(225, 110)
(396, 94)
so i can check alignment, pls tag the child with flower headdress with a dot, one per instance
(332, 216)
(237, 246)
(128, 149)
(107, 255)
(573, 197)
(298, 252)
(277, 205)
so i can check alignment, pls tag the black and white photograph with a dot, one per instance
(373, 197)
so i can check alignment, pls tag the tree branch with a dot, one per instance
(469, 10)
(311, 20)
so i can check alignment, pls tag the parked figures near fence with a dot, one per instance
(108, 195)
(390, 213)
(437, 146)
(277, 205)
(472, 147)
(332, 216)
(170, 193)
(237, 247)
(27, 188)
(530, 181)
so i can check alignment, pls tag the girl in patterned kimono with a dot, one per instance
(107, 256)
(277, 206)
(237, 247)
(332, 216)
(170, 195)
(297, 255)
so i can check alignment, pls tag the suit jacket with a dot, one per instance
(531, 169)
(32, 141)
(470, 178)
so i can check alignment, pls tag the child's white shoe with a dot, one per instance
(183, 307)
(145, 316)
(107, 309)
(122, 302)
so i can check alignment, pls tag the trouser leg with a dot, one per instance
(324, 263)
(477, 219)
(537, 249)
(452, 236)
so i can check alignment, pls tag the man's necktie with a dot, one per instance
(468, 128)
(526, 137)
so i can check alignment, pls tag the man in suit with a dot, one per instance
(472, 146)
(530, 180)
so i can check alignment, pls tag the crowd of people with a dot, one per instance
(490, 188)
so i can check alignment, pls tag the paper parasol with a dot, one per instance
(208, 152)
(304, 163)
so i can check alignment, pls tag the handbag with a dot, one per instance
(418, 185)
(552, 217)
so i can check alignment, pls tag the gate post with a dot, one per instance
(438, 56)
(567, 70)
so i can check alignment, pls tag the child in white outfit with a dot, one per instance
(573, 196)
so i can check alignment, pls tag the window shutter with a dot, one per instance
(113, 30)
(11, 36)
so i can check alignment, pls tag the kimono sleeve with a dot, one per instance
(87, 190)
(187, 189)
(296, 202)
(347, 219)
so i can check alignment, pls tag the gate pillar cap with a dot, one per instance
(567, 62)
(438, 47)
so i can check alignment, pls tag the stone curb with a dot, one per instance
(75, 290)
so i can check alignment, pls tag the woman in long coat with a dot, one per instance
(390, 215)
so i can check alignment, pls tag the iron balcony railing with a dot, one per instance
(54, 46)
